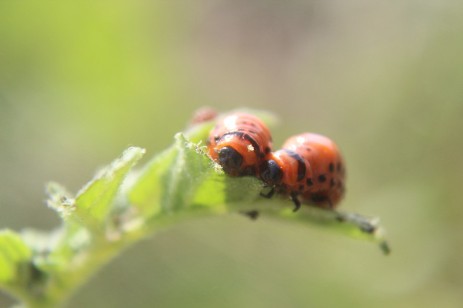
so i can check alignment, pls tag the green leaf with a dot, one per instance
(13, 254)
(167, 181)
(184, 179)
(190, 182)
(149, 188)
(345, 223)
(93, 202)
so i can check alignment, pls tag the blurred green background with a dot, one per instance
(81, 81)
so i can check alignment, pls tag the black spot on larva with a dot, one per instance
(252, 131)
(267, 150)
(339, 167)
(309, 182)
(322, 178)
(331, 167)
(262, 155)
(301, 187)
(308, 149)
(332, 183)
(301, 169)
(216, 138)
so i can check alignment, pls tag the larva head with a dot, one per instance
(271, 173)
(230, 160)
(239, 143)
(287, 171)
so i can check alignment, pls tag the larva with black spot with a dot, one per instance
(239, 143)
(309, 168)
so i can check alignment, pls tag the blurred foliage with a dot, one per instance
(79, 82)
